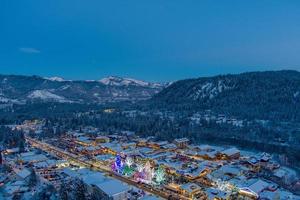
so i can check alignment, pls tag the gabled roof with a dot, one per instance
(231, 151)
(113, 187)
(190, 187)
(24, 173)
(259, 186)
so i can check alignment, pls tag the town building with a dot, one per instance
(191, 190)
(231, 153)
(182, 142)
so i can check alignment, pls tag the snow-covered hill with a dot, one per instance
(118, 81)
(45, 95)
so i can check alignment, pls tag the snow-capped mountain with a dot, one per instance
(118, 81)
(55, 78)
(55, 89)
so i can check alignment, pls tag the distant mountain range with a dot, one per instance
(21, 89)
(267, 95)
(254, 95)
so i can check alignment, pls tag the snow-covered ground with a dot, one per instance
(209, 90)
(45, 95)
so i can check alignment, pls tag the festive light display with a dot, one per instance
(227, 187)
(160, 175)
(143, 173)
(118, 165)
(128, 171)
(128, 161)
(223, 185)
(140, 167)
(149, 172)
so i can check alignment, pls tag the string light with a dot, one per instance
(160, 175)
(118, 165)
(143, 173)
(128, 161)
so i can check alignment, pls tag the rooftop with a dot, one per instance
(24, 173)
(113, 187)
(190, 187)
(259, 186)
(231, 151)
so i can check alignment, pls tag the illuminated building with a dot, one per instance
(190, 190)
(102, 139)
(231, 153)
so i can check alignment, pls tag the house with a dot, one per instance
(215, 194)
(199, 171)
(253, 163)
(50, 163)
(169, 146)
(34, 158)
(190, 190)
(105, 157)
(226, 171)
(114, 189)
(112, 148)
(207, 155)
(102, 139)
(284, 175)
(145, 150)
(129, 145)
(142, 142)
(107, 187)
(157, 145)
(246, 192)
(14, 187)
(231, 153)
(83, 140)
(128, 133)
(12, 151)
(181, 142)
(259, 186)
(22, 174)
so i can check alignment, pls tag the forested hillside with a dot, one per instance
(273, 95)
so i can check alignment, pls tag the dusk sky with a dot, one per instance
(154, 40)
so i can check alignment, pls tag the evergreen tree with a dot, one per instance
(80, 190)
(17, 197)
(33, 178)
(97, 195)
(21, 146)
(63, 192)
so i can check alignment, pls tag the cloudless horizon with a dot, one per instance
(148, 40)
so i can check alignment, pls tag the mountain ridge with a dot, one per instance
(20, 89)
(254, 95)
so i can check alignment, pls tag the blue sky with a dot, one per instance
(155, 40)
